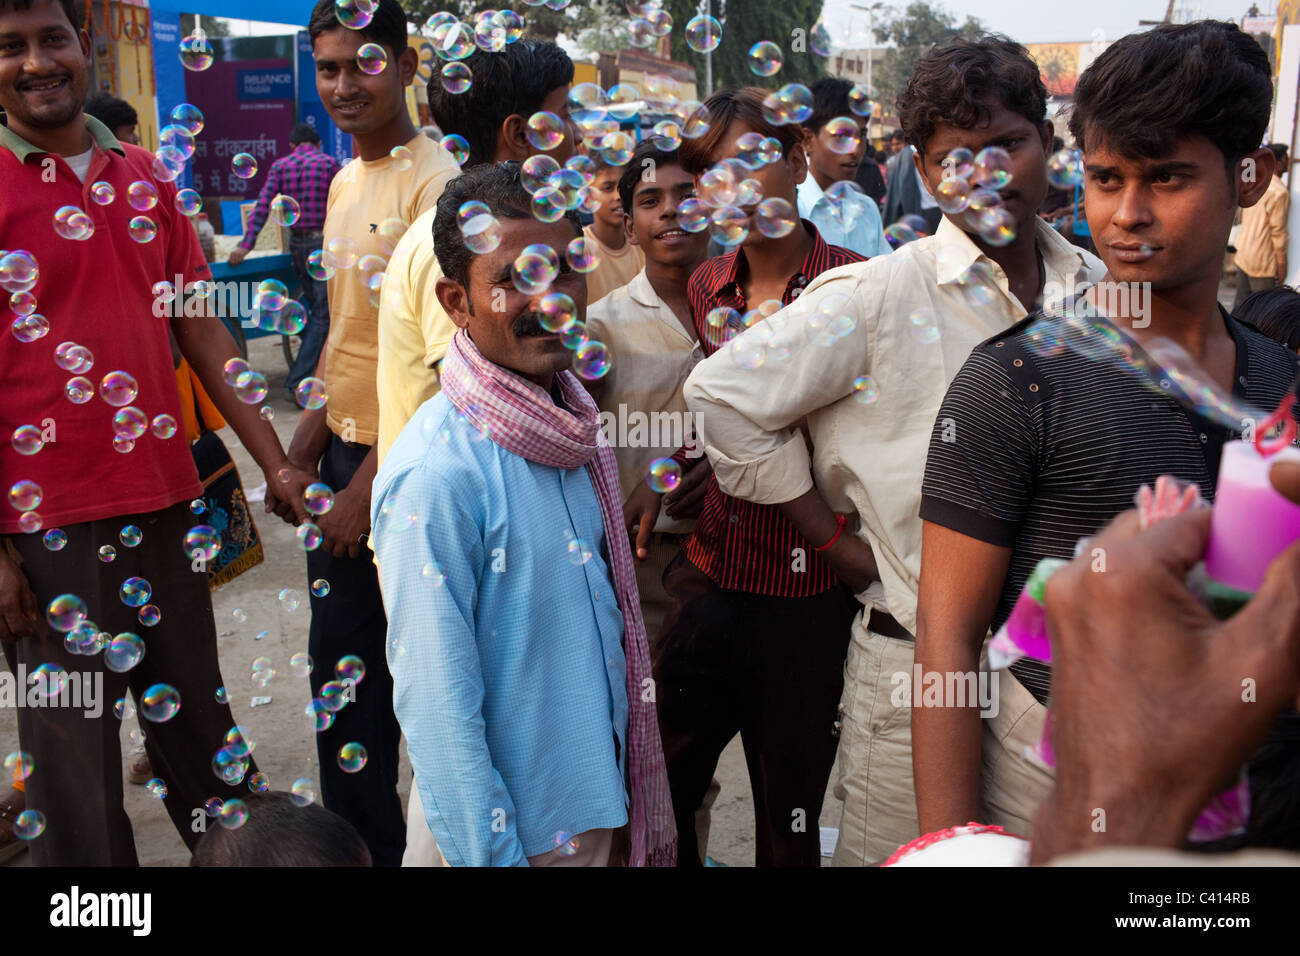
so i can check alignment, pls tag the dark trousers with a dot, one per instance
(1247, 285)
(77, 781)
(351, 620)
(768, 668)
(316, 302)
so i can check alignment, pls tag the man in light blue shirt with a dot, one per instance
(505, 635)
(835, 141)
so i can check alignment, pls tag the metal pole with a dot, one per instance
(708, 57)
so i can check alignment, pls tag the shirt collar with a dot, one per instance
(955, 252)
(101, 134)
(305, 146)
(809, 194)
(640, 291)
(730, 268)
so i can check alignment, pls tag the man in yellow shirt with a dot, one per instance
(397, 174)
(508, 87)
(619, 259)
(1263, 238)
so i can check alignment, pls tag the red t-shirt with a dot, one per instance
(97, 293)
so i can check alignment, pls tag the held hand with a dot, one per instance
(344, 524)
(284, 493)
(640, 512)
(17, 602)
(686, 500)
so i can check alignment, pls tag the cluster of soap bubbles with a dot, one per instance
(650, 23)
(971, 189)
(19, 273)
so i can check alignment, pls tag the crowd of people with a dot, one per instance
(727, 455)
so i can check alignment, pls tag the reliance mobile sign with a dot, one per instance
(265, 84)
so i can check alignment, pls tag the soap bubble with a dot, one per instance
(130, 535)
(102, 193)
(244, 165)
(456, 77)
(350, 668)
(764, 58)
(202, 541)
(142, 229)
(29, 824)
(124, 652)
(118, 388)
(188, 202)
(156, 788)
(70, 222)
(692, 215)
(959, 163)
(557, 312)
(189, 116)
(371, 59)
(457, 146)
(545, 130)
(56, 539)
(668, 135)
(860, 100)
(953, 195)
(300, 664)
(27, 440)
(478, 227)
(308, 536)
(992, 168)
(341, 252)
(107, 553)
(898, 234)
(997, 227)
(703, 33)
(196, 52)
(318, 498)
(775, 217)
(591, 360)
(401, 158)
(311, 393)
(923, 325)
(177, 137)
(535, 269)
(25, 495)
(289, 599)
(842, 135)
(718, 187)
(65, 612)
(286, 210)
(730, 226)
(135, 592)
(301, 792)
(352, 757)
(233, 813)
(581, 255)
(167, 164)
(665, 474)
(865, 390)
(1065, 169)
(160, 703)
(79, 390)
(317, 267)
(18, 765)
(320, 588)
(149, 615)
(791, 104)
(355, 14)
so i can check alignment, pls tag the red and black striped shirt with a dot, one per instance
(739, 544)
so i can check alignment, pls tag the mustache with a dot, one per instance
(528, 323)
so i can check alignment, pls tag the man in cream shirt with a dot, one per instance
(870, 398)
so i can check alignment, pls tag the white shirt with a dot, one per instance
(643, 411)
(867, 459)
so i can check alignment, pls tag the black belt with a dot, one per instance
(884, 623)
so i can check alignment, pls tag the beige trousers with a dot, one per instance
(874, 781)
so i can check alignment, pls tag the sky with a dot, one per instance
(1043, 21)
(1027, 21)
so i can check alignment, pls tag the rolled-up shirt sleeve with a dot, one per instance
(747, 417)
(438, 684)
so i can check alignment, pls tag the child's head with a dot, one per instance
(1170, 123)
(506, 89)
(604, 183)
(973, 94)
(278, 832)
(828, 160)
(734, 112)
(652, 189)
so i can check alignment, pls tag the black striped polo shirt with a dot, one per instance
(1033, 451)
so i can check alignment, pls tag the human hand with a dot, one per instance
(853, 562)
(284, 492)
(344, 524)
(640, 512)
(17, 601)
(1150, 715)
(237, 255)
(686, 500)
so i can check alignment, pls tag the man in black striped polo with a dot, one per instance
(1036, 447)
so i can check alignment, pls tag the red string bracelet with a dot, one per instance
(840, 522)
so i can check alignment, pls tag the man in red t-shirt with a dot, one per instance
(98, 471)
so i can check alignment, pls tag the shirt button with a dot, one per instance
(596, 594)
(1204, 438)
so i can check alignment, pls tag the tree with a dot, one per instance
(212, 26)
(540, 23)
(787, 23)
(913, 32)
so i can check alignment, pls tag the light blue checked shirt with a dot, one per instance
(864, 233)
(505, 647)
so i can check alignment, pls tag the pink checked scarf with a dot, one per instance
(521, 418)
